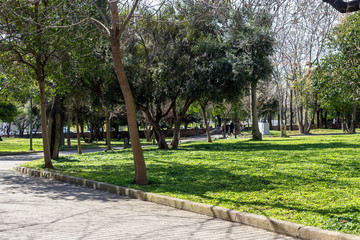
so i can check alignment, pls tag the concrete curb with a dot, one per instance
(270, 224)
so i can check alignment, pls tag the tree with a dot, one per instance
(344, 7)
(252, 46)
(29, 40)
(114, 33)
(337, 77)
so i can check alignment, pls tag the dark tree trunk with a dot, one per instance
(155, 123)
(300, 119)
(306, 122)
(203, 108)
(318, 119)
(46, 147)
(324, 120)
(344, 7)
(78, 132)
(353, 122)
(279, 121)
(256, 134)
(55, 127)
(68, 130)
(8, 130)
(177, 121)
(219, 120)
(108, 129)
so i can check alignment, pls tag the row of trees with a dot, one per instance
(164, 60)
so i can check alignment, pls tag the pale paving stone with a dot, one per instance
(34, 208)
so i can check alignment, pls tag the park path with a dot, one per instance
(36, 208)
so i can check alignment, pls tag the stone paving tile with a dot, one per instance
(34, 208)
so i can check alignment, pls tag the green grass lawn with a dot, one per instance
(275, 133)
(308, 180)
(14, 145)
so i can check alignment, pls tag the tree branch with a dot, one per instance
(344, 7)
(123, 26)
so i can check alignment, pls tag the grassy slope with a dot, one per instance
(308, 180)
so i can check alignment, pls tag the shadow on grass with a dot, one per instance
(249, 146)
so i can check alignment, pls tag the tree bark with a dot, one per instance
(68, 130)
(77, 132)
(306, 122)
(139, 162)
(47, 158)
(203, 108)
(353, 122)
(177, 122)
(291, 110)
(108, 129)
(55, 127)
(156, 126)
(300, 119)
(256, 134)
(344, 7)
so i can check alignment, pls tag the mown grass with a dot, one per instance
(19, 145)
(12, 145)
(275, 133)
(308, 180)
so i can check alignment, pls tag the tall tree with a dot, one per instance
(252, 46)
(28, 39)
(114, 32)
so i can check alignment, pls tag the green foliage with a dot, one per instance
(337, 77)
(8, 112)
(308, 180)
(251, 44)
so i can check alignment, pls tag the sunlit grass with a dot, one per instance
(20, 145)
(308, 180)
(12, 145)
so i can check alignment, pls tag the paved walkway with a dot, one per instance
(35, 208)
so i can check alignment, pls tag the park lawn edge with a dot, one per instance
(176, 174)
(266, 223)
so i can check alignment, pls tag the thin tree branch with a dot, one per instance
(123, 26)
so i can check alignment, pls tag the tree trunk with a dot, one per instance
(162, 144)
(219, 120)
(226, 114)
(108, 129)
(306, 122)
(47, 158)
(324, 120)
(343, 128)
(139, 162)
(291, 110)
(300, 119)
(203, 108)
(77, 132)
(177, 121)
(8, 130)
(55, 127)
(284, 110)
(68, 130)
(353, 122)
(176, 134)
(256, 134)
